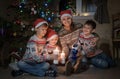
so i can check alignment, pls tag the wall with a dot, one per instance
(105, 30)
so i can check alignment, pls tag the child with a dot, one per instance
(53, 49)
(87, 42)
(52, 39)
(33, 61)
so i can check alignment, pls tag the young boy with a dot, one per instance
(87, 42)
(34, 59)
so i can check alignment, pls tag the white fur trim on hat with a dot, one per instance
(63, 15)
(53, 36)
(39, 24)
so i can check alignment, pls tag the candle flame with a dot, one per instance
(62, 54)
(56, 48)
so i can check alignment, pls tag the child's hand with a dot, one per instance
(93, 41)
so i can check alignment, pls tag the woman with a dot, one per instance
(68, 35)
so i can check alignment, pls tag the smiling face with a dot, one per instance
(66, 21)
(41, 30)
(53, 41)
(87, 29)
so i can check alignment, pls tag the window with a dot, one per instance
(84, 7)
(78, 7)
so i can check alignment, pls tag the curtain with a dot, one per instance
(101, 14)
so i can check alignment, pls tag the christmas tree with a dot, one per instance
(21, 14)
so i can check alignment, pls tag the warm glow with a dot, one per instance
(62, 55)
(85, 14)
(56, 51)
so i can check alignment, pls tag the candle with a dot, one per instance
(56, 53)
(63, 57)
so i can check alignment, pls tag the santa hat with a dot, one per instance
(65, 13)
(51, 34)
(39, 22)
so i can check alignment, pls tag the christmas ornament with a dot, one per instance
(33, 11)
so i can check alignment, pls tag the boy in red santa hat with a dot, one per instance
(34, 60)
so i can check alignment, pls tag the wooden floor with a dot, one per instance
(92, 73)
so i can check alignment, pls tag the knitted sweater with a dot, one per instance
(88, 47)
(67, 39)
(34, 50)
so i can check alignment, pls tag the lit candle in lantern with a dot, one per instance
(62, 57)
(56, 53)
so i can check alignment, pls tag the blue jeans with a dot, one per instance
(102, 61)
(33, 68)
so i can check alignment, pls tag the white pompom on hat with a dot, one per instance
(38, 22)
(65, 13)
(51, 34)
